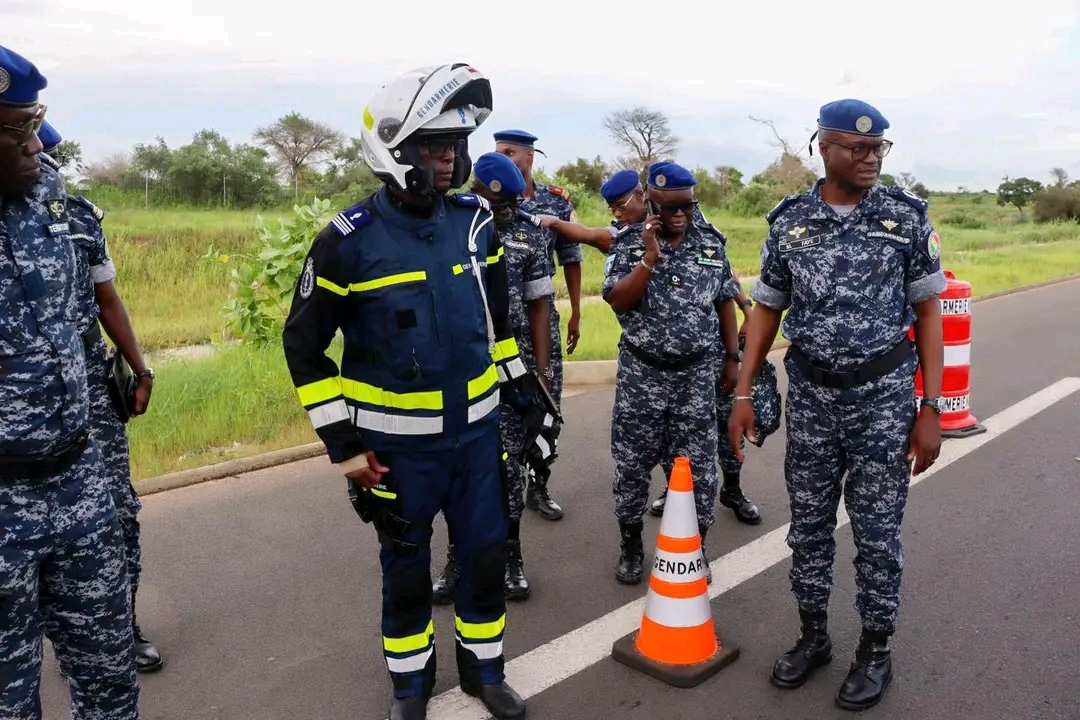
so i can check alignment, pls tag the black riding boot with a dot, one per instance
(414, 708)
(870, 673)
(628, 571)
(812, 650)
(515, 584)
(147, 657)
(731, 496)
(537, 498)
(442, 590)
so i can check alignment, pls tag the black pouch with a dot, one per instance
(121, 383)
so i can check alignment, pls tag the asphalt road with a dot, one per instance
(263, 591)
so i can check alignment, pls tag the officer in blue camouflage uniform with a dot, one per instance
(416, 282)
(62, 569)
(98, 298)
(855, 264)
(673, 300)
(543, 199)
(531, 292)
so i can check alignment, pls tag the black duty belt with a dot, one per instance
(37, 467)
(682, 363)
(846, 379)
(91, 335)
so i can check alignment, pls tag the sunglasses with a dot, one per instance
(673, 208)
(440, 146)
(28, 130)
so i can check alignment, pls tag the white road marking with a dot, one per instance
(565, 656)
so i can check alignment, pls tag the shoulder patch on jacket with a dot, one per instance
(470, 200)
(780, 207)
(351, 219)
(561, 192)
(97, 212)
(909, 197)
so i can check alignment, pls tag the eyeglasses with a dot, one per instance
(621, 204)
(30, 128)
(859, 152)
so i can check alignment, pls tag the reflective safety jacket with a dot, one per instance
(422, 304)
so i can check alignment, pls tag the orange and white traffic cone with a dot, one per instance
(677, 641)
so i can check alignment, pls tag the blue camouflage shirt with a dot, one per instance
(92, 256)
(677, 314)
(43, 395)
(550, 200)
(851, 280)
(528, 272)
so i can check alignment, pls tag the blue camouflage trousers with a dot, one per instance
(729, 464)
(512, 432)
(659, 415)
(62, 560)
(556, 355)
(862, 433)
(112, 439)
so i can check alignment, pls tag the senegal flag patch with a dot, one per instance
(933, 246)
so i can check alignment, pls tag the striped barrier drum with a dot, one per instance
(957, 420)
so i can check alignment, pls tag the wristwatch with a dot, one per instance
(935, 403)
(547, 373)
(747, 303)
(148, 372)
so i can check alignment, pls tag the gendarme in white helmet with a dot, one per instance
(445, 100)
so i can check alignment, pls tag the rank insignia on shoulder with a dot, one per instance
(710, 256)
(561, 192)
(347, 221)
(800, 244)
(97, 212)
(470, 200)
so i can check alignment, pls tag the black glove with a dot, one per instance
(542, 421)
(381, 506)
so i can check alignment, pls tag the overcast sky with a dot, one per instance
(972, 94)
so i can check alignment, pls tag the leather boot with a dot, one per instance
(870, 674)
(442, 590)
(515, 584)
(708, 570)
(414, 708)
(812, 650)
(657, 507)
(500, 700)
(628, 571)
(147, 657)
(537, 498)
(731, 496)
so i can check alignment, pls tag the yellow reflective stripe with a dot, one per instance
(383, 494)
(362, 392)
(458, 269)
(388, 280)
(412, 643)
(480, 631)
(492, 259)
(480, 385)
(319, 391)
(336, 289)
(505, 350)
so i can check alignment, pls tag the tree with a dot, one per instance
(887, 180)
(728, 178)
(298, 144)
(590, 175)
(1061, 178)
(347, 174)
(917, 188)
(1018, 192)
(69, 154)
(906, 180)
(644, 133)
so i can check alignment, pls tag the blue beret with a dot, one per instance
(20, 81)
(852, 116)
(516, 137)
(48, 136)
(619, 184)
(670, 176)
(499, 174)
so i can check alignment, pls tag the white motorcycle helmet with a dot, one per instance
(445, 100)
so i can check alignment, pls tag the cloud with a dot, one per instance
(968, 94)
